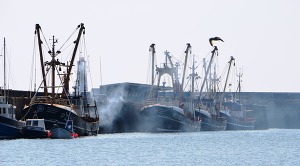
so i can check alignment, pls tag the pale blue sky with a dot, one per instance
(263, 36)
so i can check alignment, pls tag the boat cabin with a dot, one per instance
(36, 124)
(7, 110)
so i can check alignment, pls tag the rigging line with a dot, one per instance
(69, 37)
(100, 71)
(152, 89)
(186, 84)
(43, 51)
(225, 70)
(232, 73)
(80, 45)
(34, 97)
(70, 52)
(197, 85)
(148, 69)
(10, 71)
(172, 56)
(66, 47)
(88, 62)
(32, 63)
(61, 83)
(2, 52)
(48, 83)
(45, 39)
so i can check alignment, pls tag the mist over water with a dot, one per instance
(111, 109)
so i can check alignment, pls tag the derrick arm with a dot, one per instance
(37, 31)
(208, 68)
(67, 79)
(215, 51)
(188, 49)
(152, 49)
(230, 62)
(172, 67)
(170, 60)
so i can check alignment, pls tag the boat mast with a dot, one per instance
(193, 86)
(204, 66)
(213, 53)
(193, 76)
(67, 78)
(53, 69)
(230, 62)
(84, 90)
(172, 66)
(239, 88)
(187, 51)
(152, 49)
(166, 70)
(214, 83)
(37, 31)
(52, 65)
(4, 74)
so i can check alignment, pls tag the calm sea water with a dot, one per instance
(266, 147)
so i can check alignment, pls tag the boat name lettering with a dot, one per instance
(62, 116)
(65, 117)
(40, 108)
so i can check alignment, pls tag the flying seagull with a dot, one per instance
(214, 39)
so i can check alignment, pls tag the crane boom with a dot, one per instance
(37, 31)
(67, 79)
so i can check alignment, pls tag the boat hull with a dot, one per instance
(34, 132)
(10, 128)
(165, 119)
(239, 126)
(57, 115)
(239, 123)
(211, 123)
(61, 133)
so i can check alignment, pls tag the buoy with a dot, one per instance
(49, 134)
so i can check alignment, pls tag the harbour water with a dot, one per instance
(257, 147)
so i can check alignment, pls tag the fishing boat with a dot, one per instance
(167, 114)
(208, 106)
(59, 106)
(238, 116)
(10, 127)
(209, 118)
(162, 118)
(35, 128)
(66, 132)
(241, 119)
(63, 132)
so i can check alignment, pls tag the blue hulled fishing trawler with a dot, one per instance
(10, 127)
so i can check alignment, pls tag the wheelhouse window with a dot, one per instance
(28, 123)
(35, 123)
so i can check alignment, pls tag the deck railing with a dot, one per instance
(48, 100)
